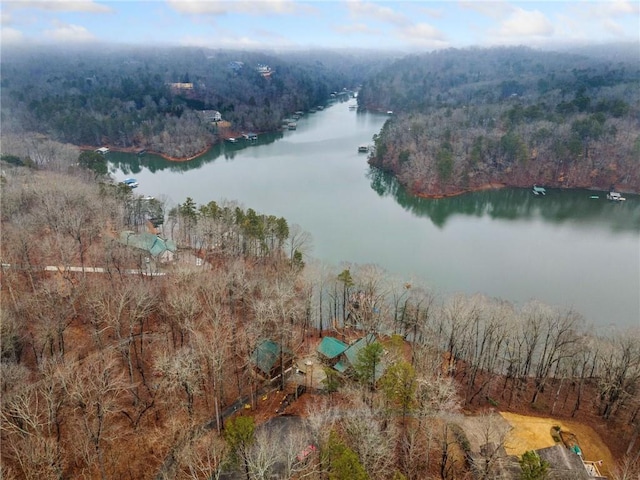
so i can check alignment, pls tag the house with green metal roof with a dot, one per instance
(349, 357)
(154, 245)
(266, 358)
(330, 349)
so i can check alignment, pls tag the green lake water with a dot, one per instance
(564, 249)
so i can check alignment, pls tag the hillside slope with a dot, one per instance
(468, 119)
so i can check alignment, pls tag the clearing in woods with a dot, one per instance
(532, 433)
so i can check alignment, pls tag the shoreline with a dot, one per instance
(480, 188)
(169, 158)
(626, 189)
(135, 150)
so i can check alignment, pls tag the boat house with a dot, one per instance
(250, 136)
(615, 196)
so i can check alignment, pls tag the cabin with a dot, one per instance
(330, 349)
(264, 70)
(155, 246)
(211, 116)
(235, 65)
(177, 87)
(102, 150)
(268, 359)
(342, 357)
(349, 357)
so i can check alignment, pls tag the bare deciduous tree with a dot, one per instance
(372, 438)
(203, 458)
(94, 389)
(490, 434)
(25, 427)
(180, 370)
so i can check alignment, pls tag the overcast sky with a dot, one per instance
(407, 25)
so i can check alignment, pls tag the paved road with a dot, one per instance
(61, 269)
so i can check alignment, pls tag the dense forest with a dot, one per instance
(461, 119)
(131, 365)
(133, 333)
(143, 98)
(476, 118)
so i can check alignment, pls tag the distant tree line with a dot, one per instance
(123, 96)
(464, 119)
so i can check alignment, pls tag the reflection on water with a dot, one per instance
(558, 206)
(563, 249)
(132, 164)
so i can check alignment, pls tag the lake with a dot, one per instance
(564, 249)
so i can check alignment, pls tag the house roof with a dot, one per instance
(266, 355)
(147, 241)
(331, 347)
(341, 366)
(564, 463)
(350, 357)
(352, 352)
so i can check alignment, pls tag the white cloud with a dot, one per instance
(225, 38)
(222, 7)
(5, 18)
(571, 28)
(361, 9)
(423, 31)
(526, 23)
(615, 8)
(221, 41)
(356, 28)
(69, 33)
(9, 35)
(88, 6)
(271, 38)
(424, 35)
(496, 10)
(598, 11)
(613, 28)
(601, 21)
(432, 12)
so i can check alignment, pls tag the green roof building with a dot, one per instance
(351, 353)
(349, 356)
(266, 357)
(331, 348)
(149, 242)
